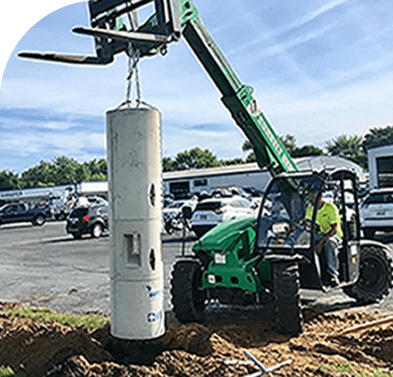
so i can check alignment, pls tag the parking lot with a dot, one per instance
(45, 266)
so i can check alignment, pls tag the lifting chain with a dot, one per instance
(132, 67)
(133, 60)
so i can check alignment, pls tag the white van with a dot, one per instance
(376, 212)
(211, 212)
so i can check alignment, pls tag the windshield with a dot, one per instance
(284, 207)
(79, 212)
(288, 217)
(175, 204)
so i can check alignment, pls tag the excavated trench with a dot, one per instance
(34, 347)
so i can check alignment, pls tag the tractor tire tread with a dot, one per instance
(371, 292)
(286, 281)
(188, 301)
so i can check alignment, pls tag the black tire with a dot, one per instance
(168, 227)
(369, 233)
(77, 236)
(97, 230)
(375, 275)
(188, 299)
(286, 285)
(199, 233)
(39, 220)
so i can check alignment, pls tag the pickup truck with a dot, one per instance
(22, 212)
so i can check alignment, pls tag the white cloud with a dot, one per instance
(69, 144)
(282, 47)
(25, 125)
(313, 14)
(350, 109)
(224, 144)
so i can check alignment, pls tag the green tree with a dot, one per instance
(98, 177)
(307, 150)
(251, 158)
(247, 146)
(289, 142)
(82, 173)
(196, 158)
(377, 136)
(349, 147)
(97, 168)
(168, 164)
(65, 170)
(294, 150)
(232, 161)
(9, 180)
(41, 174)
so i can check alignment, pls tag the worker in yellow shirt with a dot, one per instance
(329, 237)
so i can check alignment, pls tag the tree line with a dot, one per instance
(63, 170)
(60, 171)
(351, 147)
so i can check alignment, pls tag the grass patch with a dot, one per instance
(346, 368)
(7, 372)
(90, 321)
(375, 373)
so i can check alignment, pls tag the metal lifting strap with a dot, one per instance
(133, 60)
(132, 67)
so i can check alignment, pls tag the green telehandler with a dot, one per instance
(268, 259)
(248, 261)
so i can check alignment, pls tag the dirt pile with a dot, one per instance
(37, 348)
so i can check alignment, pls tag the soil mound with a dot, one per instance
(341, 343)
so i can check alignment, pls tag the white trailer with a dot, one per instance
(380, 165)
(94, 188)
(37, 194)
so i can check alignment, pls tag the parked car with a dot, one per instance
(177, 213)
(376, 212)
(93, 220)
(23, 212)
(227, 192)
(254, 192)
(60, 208)
(211, 212)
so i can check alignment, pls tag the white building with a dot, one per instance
(182, 183)
(185, 182)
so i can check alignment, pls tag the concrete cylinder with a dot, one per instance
(134, 182)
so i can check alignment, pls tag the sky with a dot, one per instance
(320, 69)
